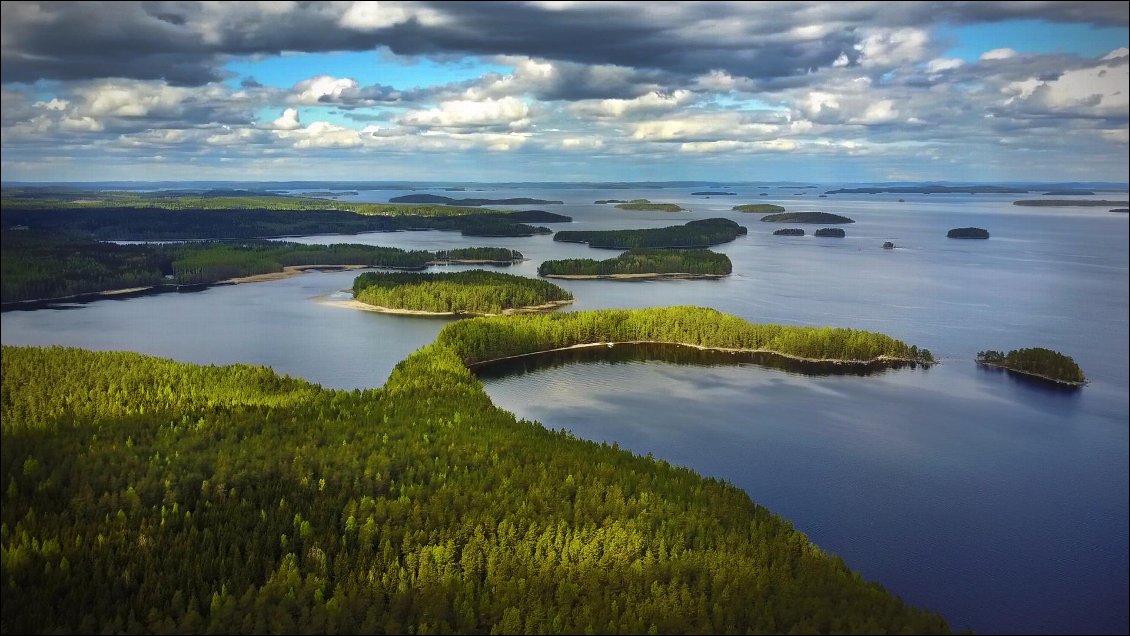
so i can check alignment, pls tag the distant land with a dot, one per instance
(1065, 203)
(933, 189)
(807, 217)
(602, 201)
(711, 193)
(442, 200)
(1068, 192)
(643, 205)
(761, 208)
(1122, 210)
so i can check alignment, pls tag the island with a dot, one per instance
(1069, 192)
(1070, 203)
(502, 228)
(888, 245)
(642, 264)
(1036, 362)
(712, 193)
(697, 234)
(967, 233)
(789, 231)
(423, 474)
(643, 205)
(758, 208)
(807, 217)
(477, 256)
(602, 201)
(931, 189)
(472, 293)
(535, 216)
(831, 232)
(763, 194)
(1121, 210)
(437, 199)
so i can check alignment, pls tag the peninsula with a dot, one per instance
(642, 264)
(1036, 362)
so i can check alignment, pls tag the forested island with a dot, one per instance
(603, 201)
(806, 217)
(758, 208)
(437, 199)
(642, 264)
(1121, 210)
(968, 233)
(1037, 362)
(831, 232)
(789, 231)
(701, 233)
(1070, 203)
(53, 267)
(474, 292)
(1069, 192)
(477, 256)
(144, 495)
(713, 193)
(933, 189)
(643, 205)
(888, 245)
(495, 227)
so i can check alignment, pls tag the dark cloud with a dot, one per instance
(187, 43)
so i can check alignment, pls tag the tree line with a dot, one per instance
(471, 292)
(642, 261)
(701, 233)
(1036, 360)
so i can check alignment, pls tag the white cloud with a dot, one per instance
(321, 134)
(841, 61)
(311, 91)
(288, 120)
(54, 104)
(998, 54)
(880, 112)
(508, 111)
(582, 143)
(941, 64)
(1116, 54)
(373, 16)
(701, 127)
(729, 145)
(892, 47)
(1099, 91)
(651, 102)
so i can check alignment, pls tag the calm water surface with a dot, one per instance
(999, 503)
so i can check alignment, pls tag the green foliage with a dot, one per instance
(491, 338)
(806, 217)
(968, 233)
(1036, 361)
(471, 292)
(642, 261)
(701, 233)
(143, 495)
(762, 208)
(647, 206)
(496, 254)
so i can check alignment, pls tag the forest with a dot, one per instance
(642, 261)
(476, 254)
(806, 217)
(1037, 361)
(763, 208)
(643, 205)
(480, 340)
(470, 292)
(35, 266)
(701, 233)
(968, 233)
(144, 495)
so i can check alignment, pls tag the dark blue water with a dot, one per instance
(1000, 503)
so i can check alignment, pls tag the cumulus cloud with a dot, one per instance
(652, 102)
(342, 91)
(506, 112)
(287, 121)
(998, 54)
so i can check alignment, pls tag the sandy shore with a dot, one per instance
(356, 304)
(651, 276)
(289, 271)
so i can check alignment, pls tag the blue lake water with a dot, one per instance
(1001, 504)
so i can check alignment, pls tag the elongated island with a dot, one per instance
(642, 264)
(1036, 362)
(825, 218)
(643, 205)
(701, 233)
(471, 293)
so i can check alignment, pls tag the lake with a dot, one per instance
(1000, 503)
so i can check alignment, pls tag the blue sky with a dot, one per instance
(566, 91)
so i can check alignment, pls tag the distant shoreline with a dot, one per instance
(637, 277)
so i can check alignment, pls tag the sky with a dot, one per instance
(564, 91)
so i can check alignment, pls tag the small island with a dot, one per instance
(712, 193)
(1036, 362)
(477, 256)
(932, 189)
(642, 264)
(888, 245)
(1068, 192)
(807, 217)
(763, 194)
(758, 208)
(831, 232)
(603, 201)
(696, 234)
(536, 216)
(475, 293)
(643, 205)
(437, 199)
(1121, 210)
(967, 233)
(1070, 203)
(789, 231)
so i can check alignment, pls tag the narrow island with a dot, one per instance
(603, 201)
(1070, 203)
(888, 245)
(712, 193)
(789, 231)
(477, 256)
(472, 293)
(1036, 362)
(698, 234)
(536, 216)
(1121, 210)
(967, 233)
(758, 208)
(807, 217)
(643, 205)
(642, 264)
(932, 189)
(438, 199)
(1068, 192)
(830, 232)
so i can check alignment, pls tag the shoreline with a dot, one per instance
(358, 305)
(638, 277)
(289, 271)
(1033, 374)
(590, 345)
